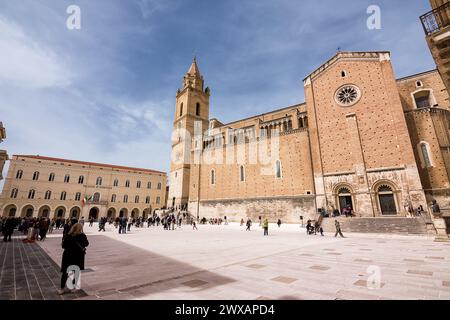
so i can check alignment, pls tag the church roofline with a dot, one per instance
(266, 113)
(418, 75)
(347, 55)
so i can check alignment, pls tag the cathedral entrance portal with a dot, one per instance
(345, 199)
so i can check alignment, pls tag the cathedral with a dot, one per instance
(362, 140)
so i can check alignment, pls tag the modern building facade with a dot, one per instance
(436, 24)
(3, 154)
(362, 139)
(42, 186)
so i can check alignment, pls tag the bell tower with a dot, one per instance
(192, 110)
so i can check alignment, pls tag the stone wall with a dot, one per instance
(288, 209)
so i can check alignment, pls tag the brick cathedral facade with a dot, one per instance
(362, 139)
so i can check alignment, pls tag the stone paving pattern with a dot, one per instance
(28, 273)
(226, 262)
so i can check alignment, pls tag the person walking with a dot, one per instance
(8, 229)
(279, 223)
(266, 227)
(52, 226)
(91, 221)
(74, 245)
(242, 222)
(321, 231)
(338, 229)
(102, 224)
(43, 228)
(249, 224)
(194, 226)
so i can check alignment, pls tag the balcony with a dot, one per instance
(436, 20)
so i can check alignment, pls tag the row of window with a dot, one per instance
(277, 167)
(99, 180)
(96, 197)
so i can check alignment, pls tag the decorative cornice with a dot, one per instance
(370, 55)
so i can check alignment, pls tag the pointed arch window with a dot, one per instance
(158, 200)
(181, 109)
(51, 177)
(147, 200)
(149, 185)
(19, 174)
(138, 184)
(136, 199)
(159, 186)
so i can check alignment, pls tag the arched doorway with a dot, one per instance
(135, 213)
(147, 213)
(10, 211)
(111, 213)
(386, 200)
(123, 213)
(60, 212)
(345, 198)
(93, 213)
(27, 211)
(44, 212)
(75, 213)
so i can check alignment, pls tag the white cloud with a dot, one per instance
(25, 62)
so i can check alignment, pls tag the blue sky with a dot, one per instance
(106, 93)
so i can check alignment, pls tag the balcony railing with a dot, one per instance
(437, 19)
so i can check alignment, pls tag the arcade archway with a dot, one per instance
(27, 211)
(93, 213)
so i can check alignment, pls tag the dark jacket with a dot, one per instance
(74, 251)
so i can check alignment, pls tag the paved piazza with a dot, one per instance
(226, 262)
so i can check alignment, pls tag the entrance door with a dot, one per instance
(387, 204)
(93, 213)
(29, 213)
(345, 201)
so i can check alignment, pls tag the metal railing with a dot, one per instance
(437, 19)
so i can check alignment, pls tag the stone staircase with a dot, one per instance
(388, 225)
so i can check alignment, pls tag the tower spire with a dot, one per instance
(193, 77)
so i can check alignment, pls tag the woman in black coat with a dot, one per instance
(74, 245)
